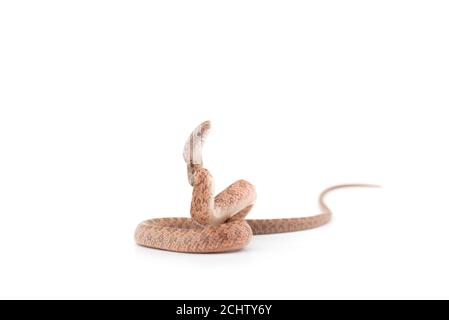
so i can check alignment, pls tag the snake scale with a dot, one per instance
(218, 223)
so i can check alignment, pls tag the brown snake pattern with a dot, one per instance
(218, 223)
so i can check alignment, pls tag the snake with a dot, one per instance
(218, 223)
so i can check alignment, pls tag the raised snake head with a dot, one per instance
(193, 149)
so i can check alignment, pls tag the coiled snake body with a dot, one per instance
(218, 223)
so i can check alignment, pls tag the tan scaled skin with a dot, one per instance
(218, 223)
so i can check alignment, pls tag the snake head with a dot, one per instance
(193, 149)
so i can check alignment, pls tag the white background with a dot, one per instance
(98, 97)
